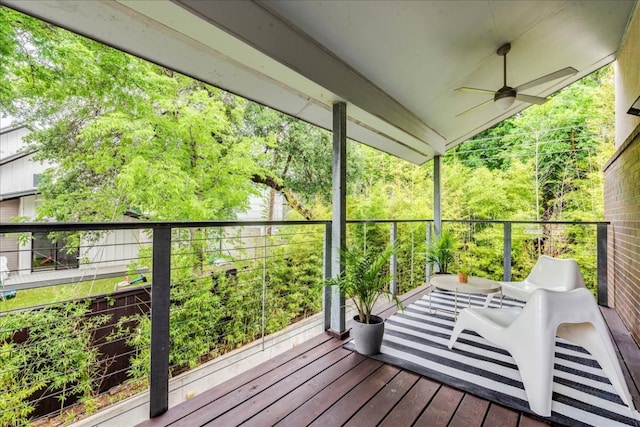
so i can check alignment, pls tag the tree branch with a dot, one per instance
(292, 199)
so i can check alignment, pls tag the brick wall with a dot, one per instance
(622, 210)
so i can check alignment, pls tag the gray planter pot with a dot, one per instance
(368, 337)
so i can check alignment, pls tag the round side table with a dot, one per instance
(475, 285)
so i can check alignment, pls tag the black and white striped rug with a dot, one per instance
(417, 340)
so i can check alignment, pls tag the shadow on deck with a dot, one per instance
(321, 383)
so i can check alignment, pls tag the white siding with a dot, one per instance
(28, 210)
(119, 247)
(258, 206)
(9, 243)
(11, 141)
(17, 176)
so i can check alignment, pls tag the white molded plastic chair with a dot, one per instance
(548, 273)
(529, 334)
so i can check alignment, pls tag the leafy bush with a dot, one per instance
(57, 356)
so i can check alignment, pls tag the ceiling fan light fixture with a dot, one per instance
(505, 102)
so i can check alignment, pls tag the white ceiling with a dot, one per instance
(395, 63)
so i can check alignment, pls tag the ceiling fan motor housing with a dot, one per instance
(505, 92)
(505, 97)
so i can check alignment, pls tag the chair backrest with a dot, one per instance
(556, 273)
(548, 308)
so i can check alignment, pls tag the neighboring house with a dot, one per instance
(19, 177)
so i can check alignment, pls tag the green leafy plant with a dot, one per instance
(58, 356)
(464, 262)
(365, 279)
(442, 251)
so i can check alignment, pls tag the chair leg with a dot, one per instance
(536, 371)
(595, 338)
(457, 329)
(487, 301)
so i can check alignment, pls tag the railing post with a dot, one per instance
(326, 295)
(427, 268)
(413, 249)
(264, 287)
(603, 296)
(506, 276)
(393, 266)
(160, 300)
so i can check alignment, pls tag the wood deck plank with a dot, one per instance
(344, 408)
(296, 397)
(313, 408)
(441, 408)
(377, 408)
(529, 421)
(499, 416)
(628, 351)
(230, 400)
(411, 406)
(265, 398)
(203, 399)
(470, 412)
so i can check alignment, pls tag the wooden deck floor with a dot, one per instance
(319, 383)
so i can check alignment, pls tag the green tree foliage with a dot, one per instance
(297, 158)
(126, 134)
(129, 135)
(58, 356)
(567, 139)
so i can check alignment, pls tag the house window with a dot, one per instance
(49, 255)
(36, 179)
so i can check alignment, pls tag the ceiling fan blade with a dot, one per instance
(475, 90)
(531, 99)
(569, 71)
(476, 107)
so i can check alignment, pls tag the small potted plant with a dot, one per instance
(364, 280)
(463, 275)
(441, 252)
(464, 265)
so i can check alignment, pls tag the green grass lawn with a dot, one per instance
(51, 294)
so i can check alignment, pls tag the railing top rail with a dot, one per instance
(502, 221)
(95, 226)
(497, 221)
(379, 221)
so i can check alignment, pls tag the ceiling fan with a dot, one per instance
(506, 95)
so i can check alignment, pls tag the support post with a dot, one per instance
(339, 219)
(437, 191)
(160, 299)
(393, 264)
(506, 263)
(603, 294)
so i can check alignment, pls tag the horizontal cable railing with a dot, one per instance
(82, 328)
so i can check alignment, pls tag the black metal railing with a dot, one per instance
(258, 266)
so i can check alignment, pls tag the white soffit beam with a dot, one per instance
(166, 33)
